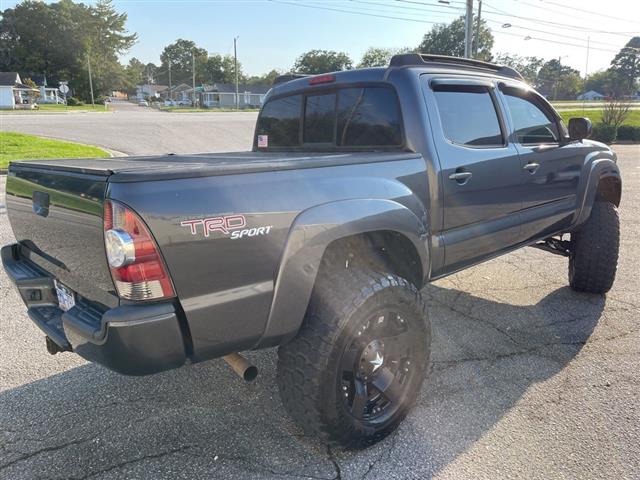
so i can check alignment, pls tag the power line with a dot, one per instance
(589, 11)
(352, 12)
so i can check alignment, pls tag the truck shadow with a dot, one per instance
(202, 421)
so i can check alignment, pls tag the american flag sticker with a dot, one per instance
(263, 141)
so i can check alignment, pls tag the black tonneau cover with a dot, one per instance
(136, 169)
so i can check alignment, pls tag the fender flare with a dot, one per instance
(310, 234)
(599, 168)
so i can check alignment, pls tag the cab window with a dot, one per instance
(532, 124)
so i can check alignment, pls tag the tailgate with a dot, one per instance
(56, 215)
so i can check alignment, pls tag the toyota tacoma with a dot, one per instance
(361, 187)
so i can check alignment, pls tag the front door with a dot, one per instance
(551, 165)
(480, 171)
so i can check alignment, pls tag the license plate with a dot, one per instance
(66, 298)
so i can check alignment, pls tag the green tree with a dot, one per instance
(558, 82)
(322, 61)
(528, 67)
(626, 64)
(266, 79)
(445, 39)
(58, 40)
(134, 74)
(606, 82)
(380, 57)
(177, 56)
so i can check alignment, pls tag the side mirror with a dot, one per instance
(579, 128)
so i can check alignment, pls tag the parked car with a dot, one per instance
(143, 103)
(362, 186)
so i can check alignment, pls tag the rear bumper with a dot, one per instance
(130, 339)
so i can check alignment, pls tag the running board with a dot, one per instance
(555, 246)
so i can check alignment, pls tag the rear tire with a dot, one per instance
(594, 250)
(355, 368)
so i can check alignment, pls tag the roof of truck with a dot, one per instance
(424, 62)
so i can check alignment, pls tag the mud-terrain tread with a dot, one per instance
(304, 363)
(594, 257)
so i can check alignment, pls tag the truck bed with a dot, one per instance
(136, 169)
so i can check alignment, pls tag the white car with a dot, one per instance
(143, 103)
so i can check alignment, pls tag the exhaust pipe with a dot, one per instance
(245, 369)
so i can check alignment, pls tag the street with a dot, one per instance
(528, 378)
(134, 130)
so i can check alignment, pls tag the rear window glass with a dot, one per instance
(319, 118)
(280, 120)
(347, 117)
(468, 116)
(368, 116)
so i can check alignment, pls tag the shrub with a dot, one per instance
(74, 102)
(629, 132)
(604, 133)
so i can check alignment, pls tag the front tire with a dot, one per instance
(355, 369)
(594, 250)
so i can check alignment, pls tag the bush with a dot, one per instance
(74, 102)
(604, 133)
(629, 132)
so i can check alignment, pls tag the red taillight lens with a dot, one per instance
(139, 272)
(322, 79)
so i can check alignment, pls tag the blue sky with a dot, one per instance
(273, 33)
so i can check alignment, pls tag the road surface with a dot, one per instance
(529, 379)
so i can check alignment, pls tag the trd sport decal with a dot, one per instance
(231, 225)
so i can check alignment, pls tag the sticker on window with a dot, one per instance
(263, 141)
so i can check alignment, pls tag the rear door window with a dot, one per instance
(280, 121)
(468, 115)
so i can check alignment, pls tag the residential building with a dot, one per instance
(149, 90)
(14, 94)
(590, 95)
(47, 94)
(223, 95)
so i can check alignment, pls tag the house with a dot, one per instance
(149, 90)
(590, 95)
(47, 94)
(224, 95)
(180, 94)
(14, 94)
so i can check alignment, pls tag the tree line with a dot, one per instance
(62, 39)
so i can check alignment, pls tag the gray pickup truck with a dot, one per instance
(362, 186)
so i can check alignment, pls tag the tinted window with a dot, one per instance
(280, 121)
(319, 118)
(468, 115)
(531, 123)
(368, 117)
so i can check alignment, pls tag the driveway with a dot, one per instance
(529, 380)
(137, 130)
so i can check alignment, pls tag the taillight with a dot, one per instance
(137, 268)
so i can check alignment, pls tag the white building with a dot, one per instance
(14, 94)
(590, 95)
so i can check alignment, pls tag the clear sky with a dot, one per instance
(272, 33)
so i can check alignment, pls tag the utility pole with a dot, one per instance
(468, 29)
(193, 70)
(586, 67)
(170, 92)
(235, 63)
(90, 81)
(477, 42)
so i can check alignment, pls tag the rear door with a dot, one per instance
(550, 165)
(480, 170)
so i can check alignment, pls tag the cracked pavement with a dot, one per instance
(528, 380)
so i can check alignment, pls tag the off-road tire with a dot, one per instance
(310, 369)
(594, 250)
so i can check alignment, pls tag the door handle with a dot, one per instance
(532, 167)
(460, 177)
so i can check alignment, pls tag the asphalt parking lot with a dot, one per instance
(134, 130)
(529, 380)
